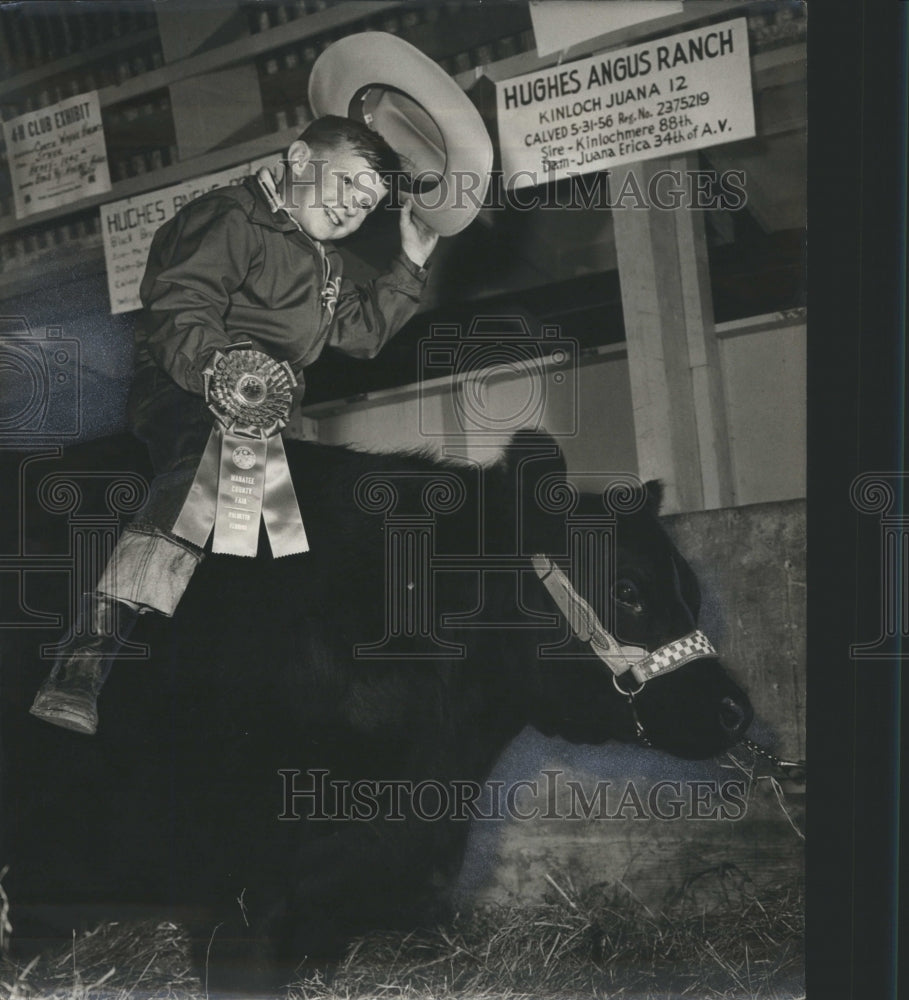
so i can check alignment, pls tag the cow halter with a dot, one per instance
(642, 666)
(633, 660)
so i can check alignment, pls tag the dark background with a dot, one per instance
(857, 242)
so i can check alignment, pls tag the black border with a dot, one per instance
(856, 392)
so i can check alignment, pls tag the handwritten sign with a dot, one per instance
(57, 155)
(128, 227)
(662, 97)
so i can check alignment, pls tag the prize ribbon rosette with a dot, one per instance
(243, 476)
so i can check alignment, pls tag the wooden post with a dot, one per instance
(673, 360)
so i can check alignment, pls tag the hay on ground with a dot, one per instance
(597, 942)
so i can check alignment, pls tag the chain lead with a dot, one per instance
(793, 769)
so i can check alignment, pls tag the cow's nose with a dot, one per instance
(733, 717)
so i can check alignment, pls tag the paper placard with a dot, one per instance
(660, 98)
(57, 155)
(128, 227)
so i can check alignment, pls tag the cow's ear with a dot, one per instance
(536, 477)
(534, 441)
(654, 491)
(539, 448)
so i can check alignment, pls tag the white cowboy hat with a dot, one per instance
(420, 112)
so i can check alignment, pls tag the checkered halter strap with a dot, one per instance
(620, 659)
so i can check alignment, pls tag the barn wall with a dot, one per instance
(751, 564)
(478, 420)
(763, 364)
(765, 373)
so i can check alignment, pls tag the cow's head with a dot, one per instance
(627, 584)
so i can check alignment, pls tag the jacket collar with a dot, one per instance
(268, 209)
(268, 205)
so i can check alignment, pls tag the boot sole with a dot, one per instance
(66, 718)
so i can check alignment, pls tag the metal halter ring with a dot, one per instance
(626, 694)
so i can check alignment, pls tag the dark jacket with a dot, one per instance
(227, 269)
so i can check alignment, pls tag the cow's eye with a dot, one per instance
(628, 595)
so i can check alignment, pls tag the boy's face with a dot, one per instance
(330, 190)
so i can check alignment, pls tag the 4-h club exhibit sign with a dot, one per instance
(663, 97)
(57, 155)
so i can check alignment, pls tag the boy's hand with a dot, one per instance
(417, 240)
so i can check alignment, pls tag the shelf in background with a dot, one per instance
(218, 159)
(245, 50)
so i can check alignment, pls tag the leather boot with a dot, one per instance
(69, 696)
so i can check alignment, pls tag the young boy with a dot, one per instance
(251, 263)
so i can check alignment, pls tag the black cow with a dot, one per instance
(214, 786)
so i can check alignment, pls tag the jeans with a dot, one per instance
(151, 567)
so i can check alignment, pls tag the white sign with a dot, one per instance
(57, 155)
(128, 226)
(663, 97)
(558, 26)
